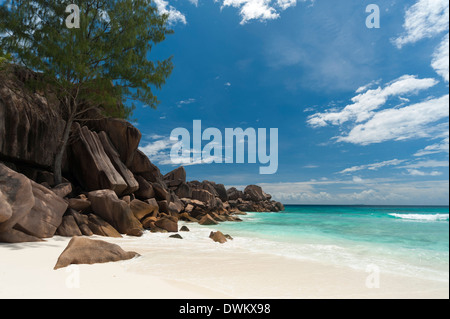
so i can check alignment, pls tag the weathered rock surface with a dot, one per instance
(68, 227)
(184, 228)
(100, 227)
(207, 220)
(168, 223)
(175, 177)
(218, 237)
(114, 156)
(81, 250)
(30, 123)
(16, 197)
(91, 165)
(145, 188)
(31, 208)
(124, 136)
(141, 209)
(62, 190)
(80, 204)
(142, 166)
(116, 212)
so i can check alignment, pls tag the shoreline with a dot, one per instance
(187, 269)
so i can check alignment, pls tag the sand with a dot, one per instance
(192, 269)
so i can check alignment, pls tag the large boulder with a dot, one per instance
(81, 250)
(116, 212)
(46, 214)
(218, 237)
(16, 197)
(145, 190)
(142, 166)
(204, 196)
(114, 156)
(79, 204)
(175, 177)
(254, 193)
(16, 201)
(31, 210)
(141, 209)
(168, 223)
(124, 136)
(183, 191)
(160, 192)
(101, 228)
(68, 227)
(91, 165)
(82, 222)
(207, 220)
(234, 194)
(30, 123)
(221, 192)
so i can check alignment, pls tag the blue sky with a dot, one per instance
(362, 114)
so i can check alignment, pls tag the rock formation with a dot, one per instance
(82, 250)
(111, 188)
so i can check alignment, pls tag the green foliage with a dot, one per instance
(4, 58)
(105, 61)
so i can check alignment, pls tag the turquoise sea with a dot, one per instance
(403, 240)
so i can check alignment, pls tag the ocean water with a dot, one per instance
(406, 240)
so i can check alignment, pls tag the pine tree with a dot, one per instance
(104, 63)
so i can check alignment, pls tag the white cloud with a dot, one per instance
(186, 102)
(284, 4)
(426, 164)
(359, 191)
(442, 147)
(373, 166)
(425, 19)
(415, 172)
(365, 103)
(412, 121)
(261, 10)
(440, 58)
(253, 9)
(158, 150)
(175, 16)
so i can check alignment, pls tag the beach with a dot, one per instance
(195, 267)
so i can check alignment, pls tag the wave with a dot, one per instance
(426, 217)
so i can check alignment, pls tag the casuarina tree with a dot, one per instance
(92, 53)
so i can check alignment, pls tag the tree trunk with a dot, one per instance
(57, 163)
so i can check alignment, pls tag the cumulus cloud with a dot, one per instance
(366, 102)
(441, 58)
(425, 19)
(159, 147)
(413, 121)
(261, 10)
(175, 16)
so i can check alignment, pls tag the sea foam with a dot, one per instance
(426, 217)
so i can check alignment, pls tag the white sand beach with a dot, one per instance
(191, 268)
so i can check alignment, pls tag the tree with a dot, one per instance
(102, 64)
